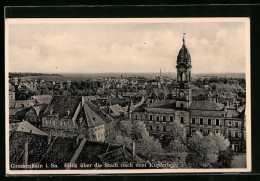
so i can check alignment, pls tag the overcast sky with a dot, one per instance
(215, 47)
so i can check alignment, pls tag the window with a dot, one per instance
(193, 131)
(141, 117)
(193, 120)
(217, 122)
(236, 134)
(216, 131)
(201, 121)
(164, 129)
(136, 117)
(151, 117)
(236, 124)
(229, 123)
(164, 118)
(209, 121)
(229, 133)
(171, 118)
(158, 128)
(151, 127)
(53, 122)
(182, 119)
(209, 131)
(201, 130)
(157, 118)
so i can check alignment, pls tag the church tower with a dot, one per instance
(183, 89)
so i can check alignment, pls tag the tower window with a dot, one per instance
(182, 119)
(171, 118)
(193, 121)
(151, 117)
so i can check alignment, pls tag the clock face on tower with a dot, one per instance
(182, 94)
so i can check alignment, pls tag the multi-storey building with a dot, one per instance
(203, 115)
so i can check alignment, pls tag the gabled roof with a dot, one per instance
(116, 109)
(232, 113)
(61, 105)
(92, 118)
(205, 105)
(27, 128)
(43, 99)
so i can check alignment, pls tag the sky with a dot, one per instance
(124, 47)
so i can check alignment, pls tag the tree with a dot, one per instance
(204, 150)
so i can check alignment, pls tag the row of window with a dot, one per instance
(164, 118)
(54, 123)
(209, 121)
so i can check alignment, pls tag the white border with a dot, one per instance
(130, 20)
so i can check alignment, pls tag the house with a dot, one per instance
(60, 116)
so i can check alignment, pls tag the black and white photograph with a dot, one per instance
(127, 95)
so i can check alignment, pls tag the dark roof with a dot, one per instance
(92, 118)
(91, 150)
(140, 108)
(60, 105)
(206, 105)
(183, 55)
(61, 151)
(232, 113)
(207, 113)
(166, 104)
(37, 145)
(97, 110)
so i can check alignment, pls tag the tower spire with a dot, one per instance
(183, 38)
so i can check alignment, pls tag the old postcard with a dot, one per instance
(132, 95)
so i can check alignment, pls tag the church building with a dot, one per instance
(204, 115)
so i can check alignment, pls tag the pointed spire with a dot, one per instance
(183, 38)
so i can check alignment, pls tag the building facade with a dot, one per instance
(205, 115)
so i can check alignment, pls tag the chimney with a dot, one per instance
(82, 101)
(68, 112)
(123, 147)
(26, 151)
(51, 111)
(133, 150)
(77, 141)
(49, 139)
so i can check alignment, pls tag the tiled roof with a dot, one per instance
(207, 113)
(205, 105)
(92, 118)
(91, 150)
(166, 104)
(60, 106)
(232, 113)
(61, 151)
(116, 109)
(140, 108)
(43, 99)
(27, 128)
